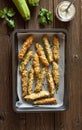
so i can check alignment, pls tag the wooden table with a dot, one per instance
(69, 120)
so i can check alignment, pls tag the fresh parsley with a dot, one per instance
(45, 16)
(43, 20)
(6, 14)
(10, 23)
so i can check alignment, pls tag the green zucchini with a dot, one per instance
(33, 2)
(23, 9)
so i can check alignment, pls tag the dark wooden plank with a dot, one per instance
(8, 118)
(11, 120)
(39, 121)
(34, 21)
(19, 22)
(5, 68)
(80, 113)
(3, 27)
(72, 119)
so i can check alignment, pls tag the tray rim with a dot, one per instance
(65, 105)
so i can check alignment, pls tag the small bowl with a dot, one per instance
(61, 15)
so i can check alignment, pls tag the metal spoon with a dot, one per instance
(69, 5)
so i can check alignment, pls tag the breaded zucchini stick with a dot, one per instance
(50, 83)
(35, 96)
(40, 80)
(48, 48)
(56, 48)
(45, 101)
(25, 61)
(25, 46)
(55, 72)
(30, 81)
(24, 78)
(36, 64)
(41, 54)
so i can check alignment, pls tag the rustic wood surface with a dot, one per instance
(69, 120)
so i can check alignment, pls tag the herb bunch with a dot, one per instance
(45, 16)
(7, 14)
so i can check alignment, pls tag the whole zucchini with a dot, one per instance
(33, 2)
(22, 8)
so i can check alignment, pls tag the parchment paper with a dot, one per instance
(60, 93)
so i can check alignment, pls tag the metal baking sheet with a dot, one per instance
(18, 38)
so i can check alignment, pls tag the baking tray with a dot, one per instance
(18, 37)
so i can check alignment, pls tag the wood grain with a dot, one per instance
(72, 118)
(5, 73)
(3, 27)
(40, 121)
(69, 120)
(34, 22)
(80, 111)
(8, 118)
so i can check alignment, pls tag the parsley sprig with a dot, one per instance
(45, 16)
(7, 14)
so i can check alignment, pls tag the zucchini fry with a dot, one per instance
(55, 72)
(24, 78)
(25, 46)
(45, 101)
(40, 80)
(50, 83)
(48, 48)
(30, 81)
(41, 54)
(25, 61)
(35, 96)
(56, 49)
(36, 64)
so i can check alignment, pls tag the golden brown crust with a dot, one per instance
(36, 64)
(24, 78)
(41, 54)
(35, 96)
(45, 101)
(50, 83)
(48, 48)
(56, 48)
(55, 72)
(25, 61)
(40, 80)
(25, 46)
(30, 81)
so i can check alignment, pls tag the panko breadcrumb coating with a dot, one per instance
(35, 96)
(25, 46)
(24, 78)
(40, 80)
(55, 72)
(45, 101)
(48, 48)
(56, 49)
(51, 85)
(25, 61)
(30, 81)
(36, 64)
(41, 54)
